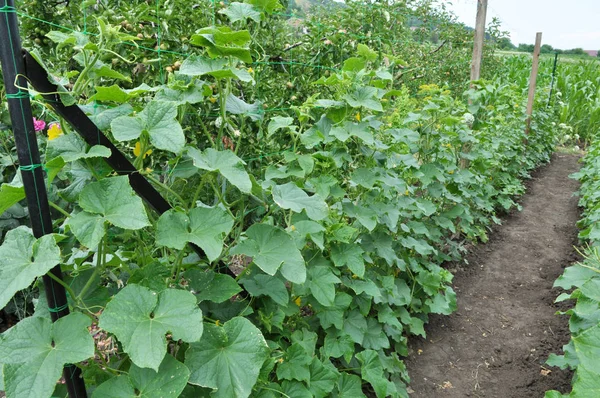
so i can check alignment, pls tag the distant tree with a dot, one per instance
(528, 48)
(546, 49)
(505, 44)
(576, 51)
(598, 55)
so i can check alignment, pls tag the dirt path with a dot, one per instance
(496, 344)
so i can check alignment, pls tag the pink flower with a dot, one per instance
(38, 125)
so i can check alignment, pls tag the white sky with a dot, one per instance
(565, 24)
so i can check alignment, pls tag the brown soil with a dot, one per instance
(505, 327)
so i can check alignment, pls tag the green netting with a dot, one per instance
(293, 65)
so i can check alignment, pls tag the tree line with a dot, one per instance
(505, 44)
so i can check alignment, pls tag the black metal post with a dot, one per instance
(553, 77)
(28, 154)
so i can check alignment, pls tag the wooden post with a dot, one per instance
(478, 40)
(533, 79)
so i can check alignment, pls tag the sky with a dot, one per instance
(565, 24)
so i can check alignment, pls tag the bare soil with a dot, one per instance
(505, 327)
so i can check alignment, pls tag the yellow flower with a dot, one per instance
(293, 227)
(54, 131)
(280, 360)
(298, 301)
(250, 70)
(212, 99)
(138, 149)
(357, 117)
(451, 172)
(218, 323)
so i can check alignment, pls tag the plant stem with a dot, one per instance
(177, 265)
(63, 284)
(59, 209)
(168, 189)
(100, 257)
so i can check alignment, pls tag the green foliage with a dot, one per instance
(140, 318)
(24, 258)
(332, 194)
(582, 283)
(35, 351)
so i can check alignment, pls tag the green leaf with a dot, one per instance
(228, 358)
(192, 95)
(205, 227)
(77, 39)
(237, 106)
(375, 338)
(268, 6)
(322, 284)
(296, 389)
(311, 229)
(350, 255)
(366, 216)
(444, 304)
(72, 147)
(587, 384)
(241, 12)
(366, 52)
(354, 64)
(208, 285)
(364, 97)
(89, 229)
(323, 377)
(295, 364)
(355, 325)
(10, 195)
(587, 347)
(155, 276)
(35, 350)
(140, 318)
(119, 95)
(168, 382)
(23, 258)
(199, 66)
(349, 129)
(289, 196)
(338, 344)
(349, 386)
(102, 116)
(278, 122)
(372, 371)
(272, 249)
(575, 276)
(158, 119)
(265, 285)
(223, 42)
(226, 163)
(114, 199)
(334, 315)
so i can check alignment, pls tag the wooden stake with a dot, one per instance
(478, 40)
(533, 79)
